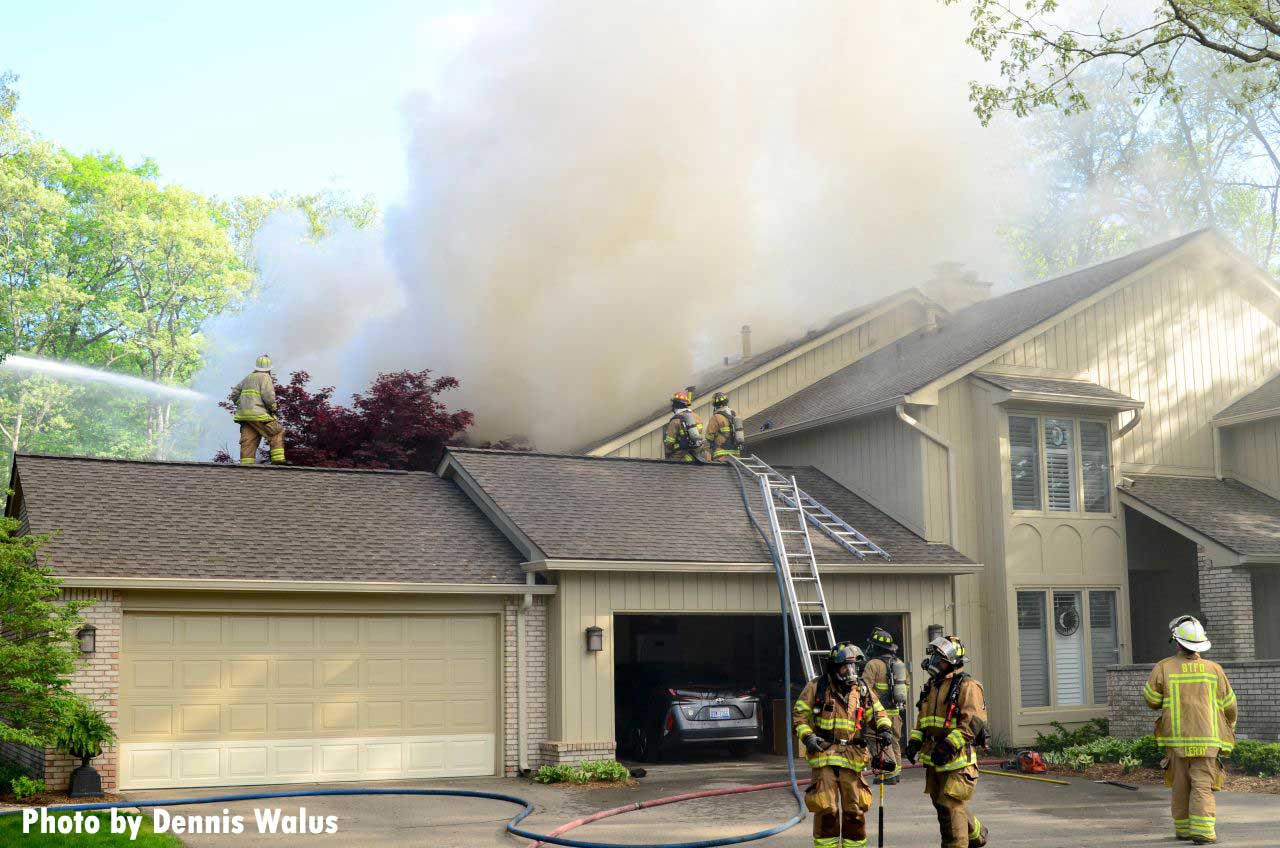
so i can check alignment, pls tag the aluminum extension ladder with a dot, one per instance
(790, 511)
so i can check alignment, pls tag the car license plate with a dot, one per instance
(719, 712)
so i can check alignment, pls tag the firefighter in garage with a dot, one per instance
(255, 400)
(890, 688)
(684, 440)
(1197, 723)
(726, 433)
(951, 720)
(832, 718)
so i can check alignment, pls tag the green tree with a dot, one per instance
(1041, 49)
(8, 94)
(246, 214)
(39, 652)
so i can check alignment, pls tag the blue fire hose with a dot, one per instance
(511, 799)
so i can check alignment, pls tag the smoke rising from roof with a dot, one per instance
(602, 194)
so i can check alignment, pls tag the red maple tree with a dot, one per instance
(397, 423)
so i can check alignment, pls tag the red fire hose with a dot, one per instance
(690, 796)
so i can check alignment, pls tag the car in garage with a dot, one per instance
(665, 708)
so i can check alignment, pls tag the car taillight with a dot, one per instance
(750, 693)
(671, 722)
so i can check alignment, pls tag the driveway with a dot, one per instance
(1020, 813)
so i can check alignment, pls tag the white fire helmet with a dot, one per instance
(1188, 632)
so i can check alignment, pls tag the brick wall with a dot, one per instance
(557, 752)
(535, 674)
(1226, 599)
(28, 759)
(1255, 683)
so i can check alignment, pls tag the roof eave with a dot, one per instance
(1246, 418)
(872, 565)
(1087, 401)
(341, 586)
(855, 412)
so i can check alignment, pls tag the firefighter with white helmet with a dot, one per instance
(833, 717)
(255, 400)
(951, 721)
(1197, 723)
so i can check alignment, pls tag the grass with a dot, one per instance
(11, 834)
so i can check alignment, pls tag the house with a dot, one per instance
(1104, 444)
(1053, 473)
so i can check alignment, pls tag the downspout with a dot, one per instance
(1217, 451)
(522, 742)
(901, 412)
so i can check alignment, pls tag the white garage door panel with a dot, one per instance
(213, 700)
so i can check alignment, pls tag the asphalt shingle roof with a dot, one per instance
(1234, 515)
(118, 518)
(601, 508)
(1055, 386)
(718, 375)
(1265, 398)
(918, 360)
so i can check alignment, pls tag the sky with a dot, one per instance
(233, 97)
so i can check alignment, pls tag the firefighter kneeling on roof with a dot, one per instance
(951, 718)
(833, 718)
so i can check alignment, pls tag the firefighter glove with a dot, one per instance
(815, 743)
(885, 738)
(944, 751)
(912, 751)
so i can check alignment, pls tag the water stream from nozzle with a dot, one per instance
(82, 374)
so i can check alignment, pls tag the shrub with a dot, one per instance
(1061, 738)
(8, 773)
(1148, 752)
(609, 771)
(1054, 758)
(1080, 762)
(1260, 758)
(1128, 764)
(82, 730)
(24, 787)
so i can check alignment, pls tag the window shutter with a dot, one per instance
(1068, 648)
(1033, 650)
(1104, 639)
(1024, 462)
(1060, 464)
(1095, 461)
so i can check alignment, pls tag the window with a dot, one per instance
(1063, 656)
(1076, 468)
(1105, 638)
(1033, 650)
(1024, 462)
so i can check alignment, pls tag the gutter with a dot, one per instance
(343, 586)
(901, 412)
(844, 415)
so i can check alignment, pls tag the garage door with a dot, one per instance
(220, 700)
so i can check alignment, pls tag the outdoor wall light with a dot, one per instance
(88, 638)
(595, 639)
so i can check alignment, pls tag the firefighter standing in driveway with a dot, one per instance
(832, 717)
(1197, 723)
(255, 400)
(685, 438)
(951, 718)
(891, 690)
(726, 432)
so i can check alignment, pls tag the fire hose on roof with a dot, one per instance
(513, 825)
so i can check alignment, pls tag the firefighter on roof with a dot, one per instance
(1197, 723)
(951, 719)
(726, 432)
(887, 677)
(833, 717)
(685, 439)
(255, 400)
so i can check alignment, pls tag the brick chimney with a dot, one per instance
(954, 288)
(746, 341)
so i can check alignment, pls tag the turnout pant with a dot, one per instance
(897, 745)
(1194, 808)
(838, 799)
(251, 434)
(950, 792)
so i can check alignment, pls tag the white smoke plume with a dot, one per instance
(601, 194)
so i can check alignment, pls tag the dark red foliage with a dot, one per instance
(396, 423)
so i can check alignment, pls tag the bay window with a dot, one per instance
(1059, 464)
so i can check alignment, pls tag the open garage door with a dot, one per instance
(236, 699)
(738, 652)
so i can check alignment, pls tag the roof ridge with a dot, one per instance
(210, 464)
(587, 457)
(1167, 244)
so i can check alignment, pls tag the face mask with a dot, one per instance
(846, 675)
(932, 664)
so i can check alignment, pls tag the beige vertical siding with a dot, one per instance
(584, 680)
(1251, 454)
(1182, 339)
(878, 457)
(806, 369)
